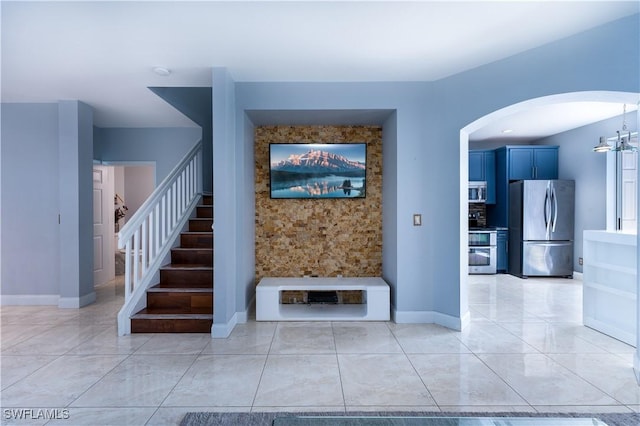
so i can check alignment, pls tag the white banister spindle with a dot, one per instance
(181, 192)
(169, 209)
(183, 195)
(158, 238)
(144, 242)
(152, 237)
(174, 206)
(127, 270)
(134, 258)
(189, 180)
(163, 223)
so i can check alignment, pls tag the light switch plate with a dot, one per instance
(417, 220)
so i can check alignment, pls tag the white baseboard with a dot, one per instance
(430, 317)
(577, 275)
(222, 331)
(29, 299)
(77, 302)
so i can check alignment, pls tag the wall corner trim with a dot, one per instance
(222, 331)
(243, 316)
(77, 302)
(430, 317)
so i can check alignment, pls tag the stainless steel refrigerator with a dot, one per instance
(541, 218)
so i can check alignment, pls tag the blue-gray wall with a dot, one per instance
(577, 161)
(389, 203)
(426, 159)
(29, 220)
(421, 142)
(47, 156)
(229, 196)
(47, 199)
(163, 146)
(75, 157)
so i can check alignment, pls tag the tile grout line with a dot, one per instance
(186, 370)
(264, 367)
(414, 369)
(335, 346)
(503, 379)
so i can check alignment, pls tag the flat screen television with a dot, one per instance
(315, 170)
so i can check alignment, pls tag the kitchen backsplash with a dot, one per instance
(479, 211)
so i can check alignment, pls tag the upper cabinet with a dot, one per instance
(482, 167)
(476, 165)
(533, 162)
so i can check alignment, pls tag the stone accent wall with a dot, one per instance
(319, 237)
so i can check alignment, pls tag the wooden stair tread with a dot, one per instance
(167, 313)
(185, 284)
(141, 316)
(156, 289)
(187, 266)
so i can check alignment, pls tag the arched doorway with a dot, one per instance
(465, 132)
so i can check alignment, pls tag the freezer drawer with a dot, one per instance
(547, 259)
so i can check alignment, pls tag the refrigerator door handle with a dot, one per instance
(547, 212)
(554, 201)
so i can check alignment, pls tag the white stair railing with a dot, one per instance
(148, 236)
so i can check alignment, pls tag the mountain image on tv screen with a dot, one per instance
(318, 170)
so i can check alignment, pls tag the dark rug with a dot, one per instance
(391, 418)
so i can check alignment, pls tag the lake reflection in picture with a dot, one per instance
(318, 170)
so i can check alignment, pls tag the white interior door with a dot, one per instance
(103, 222)
(627, 190)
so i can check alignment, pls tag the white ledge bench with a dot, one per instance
(375, 306)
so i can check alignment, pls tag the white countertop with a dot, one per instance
(614, 237)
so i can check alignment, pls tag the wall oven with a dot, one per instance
(482, 251)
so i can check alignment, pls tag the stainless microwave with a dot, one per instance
(477, 191)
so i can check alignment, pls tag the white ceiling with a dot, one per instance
(541, 121)
(103, 53)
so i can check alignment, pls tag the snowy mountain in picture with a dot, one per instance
(318, 170)
(319, 162)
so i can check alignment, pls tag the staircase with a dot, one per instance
(183, 300)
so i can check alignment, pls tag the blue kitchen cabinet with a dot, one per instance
(482, 167)
(502, 253)
(476, 165)
(533, 163)
(490, 175)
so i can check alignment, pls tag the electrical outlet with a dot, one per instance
(580, 261)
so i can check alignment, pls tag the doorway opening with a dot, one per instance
(465, 132)
(121, 191)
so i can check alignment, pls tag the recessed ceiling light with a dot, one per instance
(162, 71)
(505, 131)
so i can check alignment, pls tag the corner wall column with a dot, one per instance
(225, 193)
(75, 158)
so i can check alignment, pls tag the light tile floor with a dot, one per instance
(525, 350)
